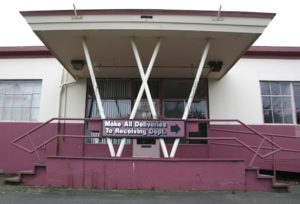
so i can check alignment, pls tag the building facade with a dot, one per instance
(239, 104)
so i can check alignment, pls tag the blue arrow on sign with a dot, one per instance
(175, 128)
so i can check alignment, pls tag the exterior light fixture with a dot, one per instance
(215, 65)
(77, 64)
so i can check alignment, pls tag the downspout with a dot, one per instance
(61, 87)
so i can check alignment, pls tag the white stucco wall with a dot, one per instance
(49, 70)
(237, 95)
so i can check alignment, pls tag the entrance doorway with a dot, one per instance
(146, 147)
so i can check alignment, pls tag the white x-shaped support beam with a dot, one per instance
(192, 94)
(144, 87)
(96, 91)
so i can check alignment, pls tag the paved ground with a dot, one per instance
(25, 195)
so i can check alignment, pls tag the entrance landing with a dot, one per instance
(148, 174)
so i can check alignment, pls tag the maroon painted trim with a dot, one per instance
(270, 52)
(25, 52)
(150, 12)
(146, 159)
(260, 52)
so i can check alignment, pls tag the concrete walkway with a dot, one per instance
(45, 195)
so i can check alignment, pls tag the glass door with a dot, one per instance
(146, 147)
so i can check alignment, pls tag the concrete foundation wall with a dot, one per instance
(147, 174)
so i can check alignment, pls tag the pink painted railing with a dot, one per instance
(254, 149)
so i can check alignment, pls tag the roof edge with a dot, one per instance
(25, 52)
(149, 11)
(273, 52)
(263, 52)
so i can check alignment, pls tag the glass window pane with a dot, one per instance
(18, 95)
(18, 99)
(285, 88)
(116, 108)
(16, 114)
(287, 116)
(26, 101)
(297, 102)
(9, 88)
(198, 110)
(114, 88)
(296, 87)
(6, 113)
(182, 88)
(34, 115)
(268, 116)
(25, 113)
(144, 111)
(1, 100)
(298, 116)
(275, 88)
(18, 87)
(90, 91)
(37, 86)
(276, 102)
(266, 102)
(154, 86)
(286, 102)
(2, 87)
(27, 89)
(173, 109)
(277, 113)
(201, 91)
(265, 88)
(8, 101)
(36, 100)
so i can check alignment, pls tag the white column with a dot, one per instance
(192, 94)
(96, 91)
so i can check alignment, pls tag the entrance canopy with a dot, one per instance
(183, 37)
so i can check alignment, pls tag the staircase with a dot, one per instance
(30, 177)
(253, 179)
(256, 181)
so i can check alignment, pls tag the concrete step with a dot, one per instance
(16, 180)
(22, 175)
(27, 172)
(263, 176)
(281, 187)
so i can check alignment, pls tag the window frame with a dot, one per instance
(292, 98)
(160, 99)
(31, 94)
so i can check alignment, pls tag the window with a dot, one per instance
(116, 101)
(20, 100)
(296, 92)
(176, 94)
(281, 102)
(169, 95)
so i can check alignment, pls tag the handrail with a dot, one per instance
(265, 134)
(52, 119)
(13, 142)
(254, 151)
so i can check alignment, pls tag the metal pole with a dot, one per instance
(96, 91)
(192, 94)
